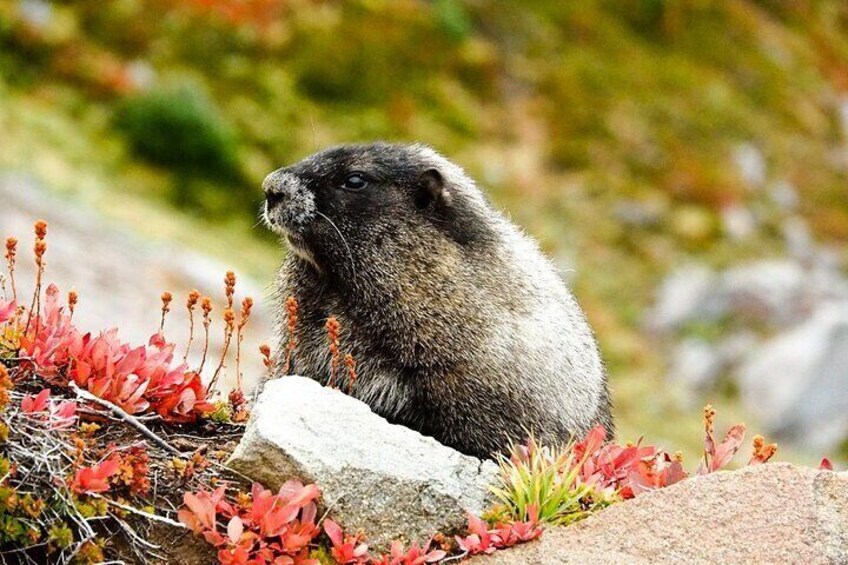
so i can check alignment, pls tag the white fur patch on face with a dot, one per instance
(290, 204)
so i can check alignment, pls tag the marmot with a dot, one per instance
(461, 328)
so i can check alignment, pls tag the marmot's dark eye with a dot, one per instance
(355, 182)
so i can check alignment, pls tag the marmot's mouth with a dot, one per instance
(287, 219)
(297, 245)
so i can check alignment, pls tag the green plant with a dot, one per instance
(184, 132)
(546, 479)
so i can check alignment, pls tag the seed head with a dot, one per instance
(762, 451)
(229, 318)
(206, 305)
(265, 350)
(40, 229)
(246, 306)
(332, 326)
(167, 297)
(40, 249)
(5, 386)
(709, 416)
(11, 248)
(291, 309)
(230, 287)
(192, 299)
(73, 298)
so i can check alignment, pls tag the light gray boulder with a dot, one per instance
(683, 296)
(384, 480)
(798, 381)
(778, 292)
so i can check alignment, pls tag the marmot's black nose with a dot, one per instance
(274, 187)
(272, 198)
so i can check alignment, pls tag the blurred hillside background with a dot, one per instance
(684, 162)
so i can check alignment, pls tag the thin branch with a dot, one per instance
(131, 420)
(138, 512)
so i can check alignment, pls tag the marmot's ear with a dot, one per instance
(431, 189)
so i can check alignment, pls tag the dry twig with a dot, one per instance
(129, 419)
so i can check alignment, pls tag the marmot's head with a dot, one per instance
(350, 201)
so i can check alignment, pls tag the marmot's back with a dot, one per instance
(460, 327)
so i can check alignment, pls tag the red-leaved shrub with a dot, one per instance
(136, 379)
(484, 539)
(261, 528)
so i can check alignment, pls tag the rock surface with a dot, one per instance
(385, 480)
(775, 513)
(797, 381)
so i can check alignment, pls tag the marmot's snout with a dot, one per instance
(289, 204)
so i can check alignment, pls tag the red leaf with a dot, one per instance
(95, 479)
(202, 507)
(728, 448)
(334, 532)
(7, 310)
(39, 403)
(235, 529)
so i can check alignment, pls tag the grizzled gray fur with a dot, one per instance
(460, 327)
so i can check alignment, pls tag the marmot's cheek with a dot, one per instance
(297, 213)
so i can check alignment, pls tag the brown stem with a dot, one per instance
(205, 347)
(228, 336)
(35, 307)
(12, 281)
(190, 334)
(239, 338)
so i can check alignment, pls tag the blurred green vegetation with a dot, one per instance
(184, 133)
(563, 110)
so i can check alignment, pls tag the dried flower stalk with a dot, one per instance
(350, 363)
(73, 298)
(246, 306)
(167, 297)
(191, 303)
(291, 311)
(206, 307)
(229, 328)
(11, 254)
(40, 248)
(333, 327)
(709, 441)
